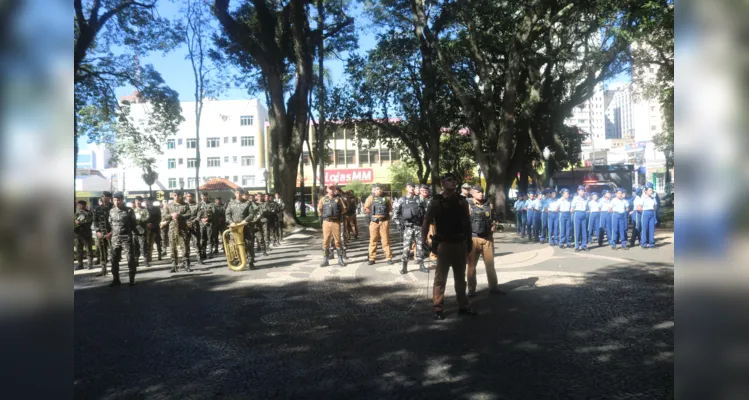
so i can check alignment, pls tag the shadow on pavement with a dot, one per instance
(608, 335)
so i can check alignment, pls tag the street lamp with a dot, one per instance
(265, 176)
(547, 153)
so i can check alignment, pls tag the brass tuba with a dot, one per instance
(234, 248)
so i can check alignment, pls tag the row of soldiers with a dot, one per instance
(172, 226)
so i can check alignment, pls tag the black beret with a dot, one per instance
(424, 187)
(375, 186)
(478, 189)
(177, 193)
(188, 194)
(118, 195)
(106, 194)
(218, 198)
(81, 201)
(139, 198)
(204, 194)
(150, 198)
(449, 175)
(239, 190)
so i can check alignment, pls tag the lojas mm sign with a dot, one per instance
(344, 176)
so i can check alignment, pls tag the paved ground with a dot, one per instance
(590, 325)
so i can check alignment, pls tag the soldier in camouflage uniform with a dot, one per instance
(206, 211)
(178, 212)
(280, 226)
(409, 213)
(193, 225)
(164, 230)
(142, 233)
(219, 223)
(153, 225)
(82, 230)
(262, 223)
(101, 216)
(241, 210)
(121, 225)
(272, 217)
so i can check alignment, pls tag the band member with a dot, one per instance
(141, 234)
(241, 210)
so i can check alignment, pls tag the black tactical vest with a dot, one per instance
(450, 219)
(481, 219)
(412, 210)
(331, 208)
(379, 206)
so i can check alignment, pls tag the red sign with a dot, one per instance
(344, 176)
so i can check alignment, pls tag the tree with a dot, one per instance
(197, 35)
(400, 174)
(149, 175)
(135, 29)
(273, 43)
(359, 188)
(518, 68)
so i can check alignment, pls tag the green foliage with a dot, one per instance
(456, 155)
(400, 174)
(133, 29)
(359, 188)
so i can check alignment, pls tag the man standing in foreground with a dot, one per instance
(121, 225)
(331, 209)
(452, 242)
(482, 236)
(379, 207)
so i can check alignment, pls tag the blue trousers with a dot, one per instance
(604, 227)
(529, 223)
(537, 224)
(580, 228)
(647, 228)
(554, 227)
(565, 222)
(523, 222)
(544, 225)
(594, 220)
(519, 217)
(637, 228)
(618, 228)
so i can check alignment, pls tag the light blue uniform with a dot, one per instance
(518, 217)
(580, 226)
(594, 218)
(565, 221)
(647, 226)
(605, 225)
(618, 222)
(553, 222)
(537, 219)
(545, 218)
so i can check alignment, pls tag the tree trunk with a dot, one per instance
(150, 195)
(302, 209)
(321, 91)
(197, 148)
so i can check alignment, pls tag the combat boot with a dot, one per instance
(79, 266)
(200, 260)
(422, 267)
(174, 269)
(404, 270)
(115, 282)
(131, 275)
(186, 266)
(103, 271)
(341, 254)
(324, 262)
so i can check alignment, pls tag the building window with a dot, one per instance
(246, 120)
(234, 160)
(226, 159)
(192, 143)
(305, 158)
(171, 163)
(226, 139)
(226, 177)
(191, 183)
(214, 162)
(234, 139)
(181, 182)
(248, 180)
(385, 155)
(248, 161)
(172, 183)
(248, 141)
(170, 144)
(652, 127)
(192, 162)
(339, 134)
(350, 157)
(236, 178)
(212, 142)
(363, 157)
(180, 161)
(394, 155)
(179, 142)
(340, 157)
(374, 156)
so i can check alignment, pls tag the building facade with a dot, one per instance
(232, 146)
(589, 117)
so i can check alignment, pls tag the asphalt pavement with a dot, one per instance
(591, 325)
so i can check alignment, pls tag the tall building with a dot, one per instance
(619, 112)
(589, 117)
(232, 146)
(93, 157)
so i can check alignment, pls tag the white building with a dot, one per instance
(589, 117)
(232, 146)
(619, 113)
(93, 157)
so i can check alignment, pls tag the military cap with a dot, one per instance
(375, 186)
(204, 194)
(478, 189)
(604, 191)
(564, 190)
(594, 194)
(531, 191)
(466, 186)
(106, 194)
(424, 186)
(188, 194)
(81, 201)
(239, 190)
(118, 195)
(150, 198)
(449, 175)
(580, 187)
(649, 185)
(333, 187)
(410, 184)
(620, 190)
(139, 198)
(218, 197)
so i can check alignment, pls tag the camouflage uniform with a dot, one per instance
(193, 225)
(178, 233)
(83, 237)
(261, 225)
(101, 218)
(205, 211)
(154, 219)
(164, 231)
(142, 236)
(219, 225)
(238, 211)
(410, 211)
(122, 224)
(279, 215)
(272, 216)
